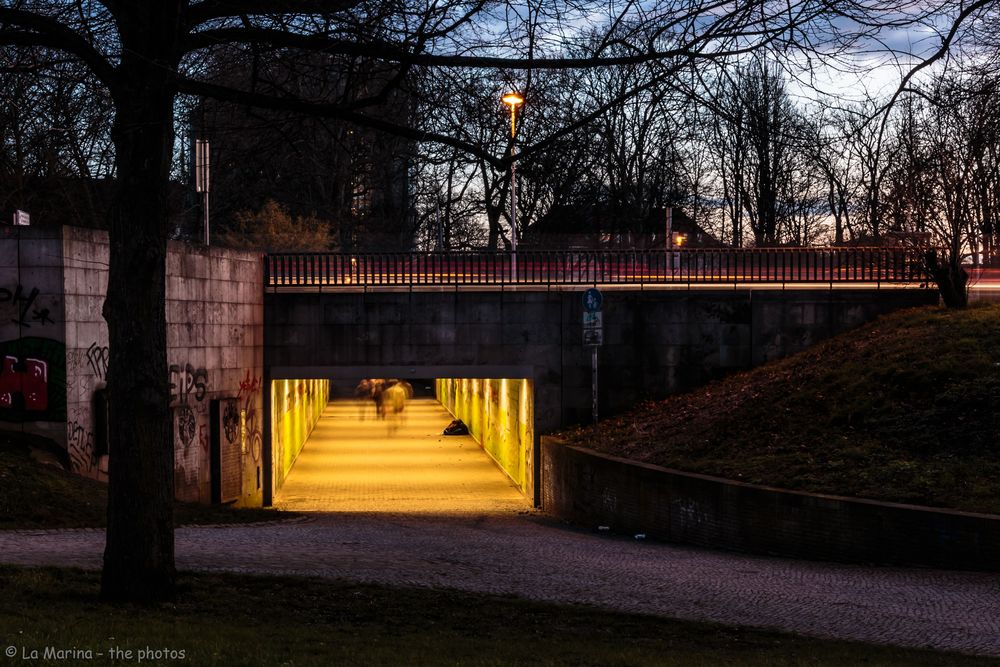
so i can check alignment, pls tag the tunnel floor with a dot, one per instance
(354, 465)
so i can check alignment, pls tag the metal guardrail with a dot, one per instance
(567, 267)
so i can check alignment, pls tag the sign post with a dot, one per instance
(593, 337)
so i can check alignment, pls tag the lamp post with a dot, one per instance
(512, 100)
(201, 182)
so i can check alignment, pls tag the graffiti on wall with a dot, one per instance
(24, 303)
(187, 381)
(250, 429)
(249, 386)
(80, 443)
(97, 357)
(231, 420)
(27, 380)
(32, 380)
(186, 425)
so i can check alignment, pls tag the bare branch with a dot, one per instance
(401, 53)
(56, 35)
(210, 10)
(339, 111)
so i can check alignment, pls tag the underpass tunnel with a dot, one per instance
(331, 450)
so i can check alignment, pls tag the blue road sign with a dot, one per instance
(592, 300)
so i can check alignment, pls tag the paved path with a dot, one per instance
(533, 557)
(467, 528)
(395, 465)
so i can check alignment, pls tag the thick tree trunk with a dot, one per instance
(952, 280)
(493, 214)
(139, 554)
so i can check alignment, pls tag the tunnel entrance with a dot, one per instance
(331, 450)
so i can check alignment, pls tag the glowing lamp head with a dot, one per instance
(512, 99)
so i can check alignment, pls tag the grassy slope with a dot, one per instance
(230, 620)
(904, 409)
(36, 495)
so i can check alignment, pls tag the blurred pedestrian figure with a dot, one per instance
(393, 402)
(378, 388)
(364, 394)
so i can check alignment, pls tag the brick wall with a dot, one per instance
(591, 489)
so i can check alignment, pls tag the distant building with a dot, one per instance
(354, 179)
(605, 228)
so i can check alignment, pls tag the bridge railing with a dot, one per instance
(568, 267)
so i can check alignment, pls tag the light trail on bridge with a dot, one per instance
(689, 266)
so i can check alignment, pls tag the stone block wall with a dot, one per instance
(214, 314)
(589, 488)
(499, 414)
(85, 273)
(215, 318)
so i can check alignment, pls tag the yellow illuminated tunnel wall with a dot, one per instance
(296, 406)
(500, 416)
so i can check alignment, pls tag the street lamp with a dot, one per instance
(512, 100)
(201, 180)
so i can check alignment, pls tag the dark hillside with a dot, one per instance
(36, 492)
(903, 409)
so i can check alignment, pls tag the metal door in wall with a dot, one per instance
(226, 450)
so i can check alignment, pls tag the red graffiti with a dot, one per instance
(29, 380)
(249, 386)
(249, 431)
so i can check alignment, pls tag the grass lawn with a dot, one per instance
(904, 409)
(41, 495)
(240, 620)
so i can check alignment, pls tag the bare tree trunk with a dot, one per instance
(951, 278)
(139, 554)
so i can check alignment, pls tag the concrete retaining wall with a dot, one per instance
(590, 488)
(499, 415)
(57, 279)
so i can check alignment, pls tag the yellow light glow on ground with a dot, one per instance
(350, 465)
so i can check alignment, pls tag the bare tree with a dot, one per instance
(54, 138)
(956, 163)
(145, 54)
(760, 142)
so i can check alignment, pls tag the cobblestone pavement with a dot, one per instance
(531, 556)
(490, 542)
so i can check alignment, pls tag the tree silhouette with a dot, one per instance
(145, 54)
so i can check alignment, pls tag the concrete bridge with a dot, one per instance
(505, 356)
(256, 344)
